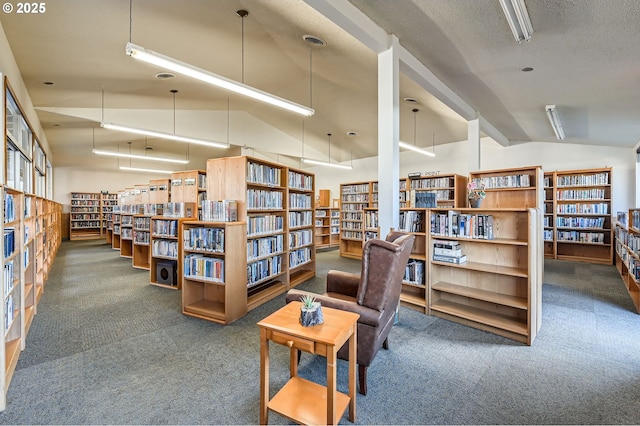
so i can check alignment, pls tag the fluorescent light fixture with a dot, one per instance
(138, 169)
(518, 19)
(416, 149)
(325, 163)
(171, 64)
(139, 157)
(554, 119)
(162, 135)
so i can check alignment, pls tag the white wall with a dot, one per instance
(453, 158)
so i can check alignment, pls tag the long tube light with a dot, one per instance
(139, 169)
(166, 62)
(139, 157)
(162, 135)
(554, 119)
(326, 163)
(416, 149)
(518, 19)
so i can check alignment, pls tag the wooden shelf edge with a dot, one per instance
(484, 295)
(481, 317)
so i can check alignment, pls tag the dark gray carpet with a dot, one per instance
(108, 348)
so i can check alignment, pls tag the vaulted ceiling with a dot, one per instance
(584, 56)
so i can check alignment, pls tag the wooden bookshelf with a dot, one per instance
(583, 226)
(141, 253)
(325, 236)
(189, 187)
(354, 199)
(511, 188)
(548, 220)
(498, 289)
(115, 235)
(166, 247)
(159, 191)
(126, 231)
(214, 272)
(627, 253)
(30, 299)
(262, 191)
(85, 216)
(415, 294)
(107, 201)
(450, 190)
(12, 308)
(301, 248)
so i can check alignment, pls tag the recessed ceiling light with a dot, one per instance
(165, 75)
(411, 100)
(527, 69)
(316, 41)
(352, 133)
(48, 83)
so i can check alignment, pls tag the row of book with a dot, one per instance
(580, 222)
(165, 228)
(414, 272)
(299, 181)
(589, 208)
(260, 199)
(84, 216)
(95, 203)
(126, 233)
(353, 207)
(299, 257)
(355, 198)
(355, 189)
(352, 225)
(635, 219)
(581, 194)
(371, 219)
(8, 278)
(300, 201)
(547, 235)
(84, 210)
(423, 199)
(351, 216)
(141, 238)
(219, 211)
(9, 208)
(300, 238)
(370, 235)
(581, 237)
(351, 235)
(142, 222)
(85, 196)
(266, 224)
(165, 248)
(177, 210)
(85, 224)
(442, 182)
(9, 312)
(263, 174)
(203, 268)
(260, 247)
(583, 180)
(411, 221)
(496, 182)
(456, 224)
(448, 251)
(263, 269)
(126, 220)
(299, 219)
(205, 239)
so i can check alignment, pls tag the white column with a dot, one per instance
(473, 142)
(388, 136)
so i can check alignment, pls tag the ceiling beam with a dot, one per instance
(362, 28)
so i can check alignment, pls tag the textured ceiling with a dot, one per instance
(584, 54)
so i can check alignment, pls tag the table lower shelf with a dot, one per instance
(305, 402)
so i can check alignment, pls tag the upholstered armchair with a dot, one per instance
(374, 294)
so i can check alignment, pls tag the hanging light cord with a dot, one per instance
(311, 78)
(415, 110)
(130, 18)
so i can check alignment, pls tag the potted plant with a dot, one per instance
(475, 193)
(310, 311)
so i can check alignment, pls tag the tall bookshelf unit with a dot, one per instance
(326, 234)
(85, 216)
(214, 272)
(107, 201)
(511, 188)
(548, 219)
(261, 189)
(583, 221)
(300, 226)
(166, 245)
(415, 293)
(115, 236)
(498, 288)
(450, 189)
(627, 253)
(141, 255)
(30, 300)
(354, 199)
(189, 187)
(126, 230)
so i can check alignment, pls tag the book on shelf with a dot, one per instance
(450, 259)
(219, 211)
(447, 251)
(456, 224)
(414, 272)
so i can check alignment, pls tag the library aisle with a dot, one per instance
(106, 347)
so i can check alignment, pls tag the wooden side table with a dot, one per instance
(301, 400)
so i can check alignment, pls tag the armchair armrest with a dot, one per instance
(343, 283)
(368, 316)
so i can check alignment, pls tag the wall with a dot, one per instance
(452, 158)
